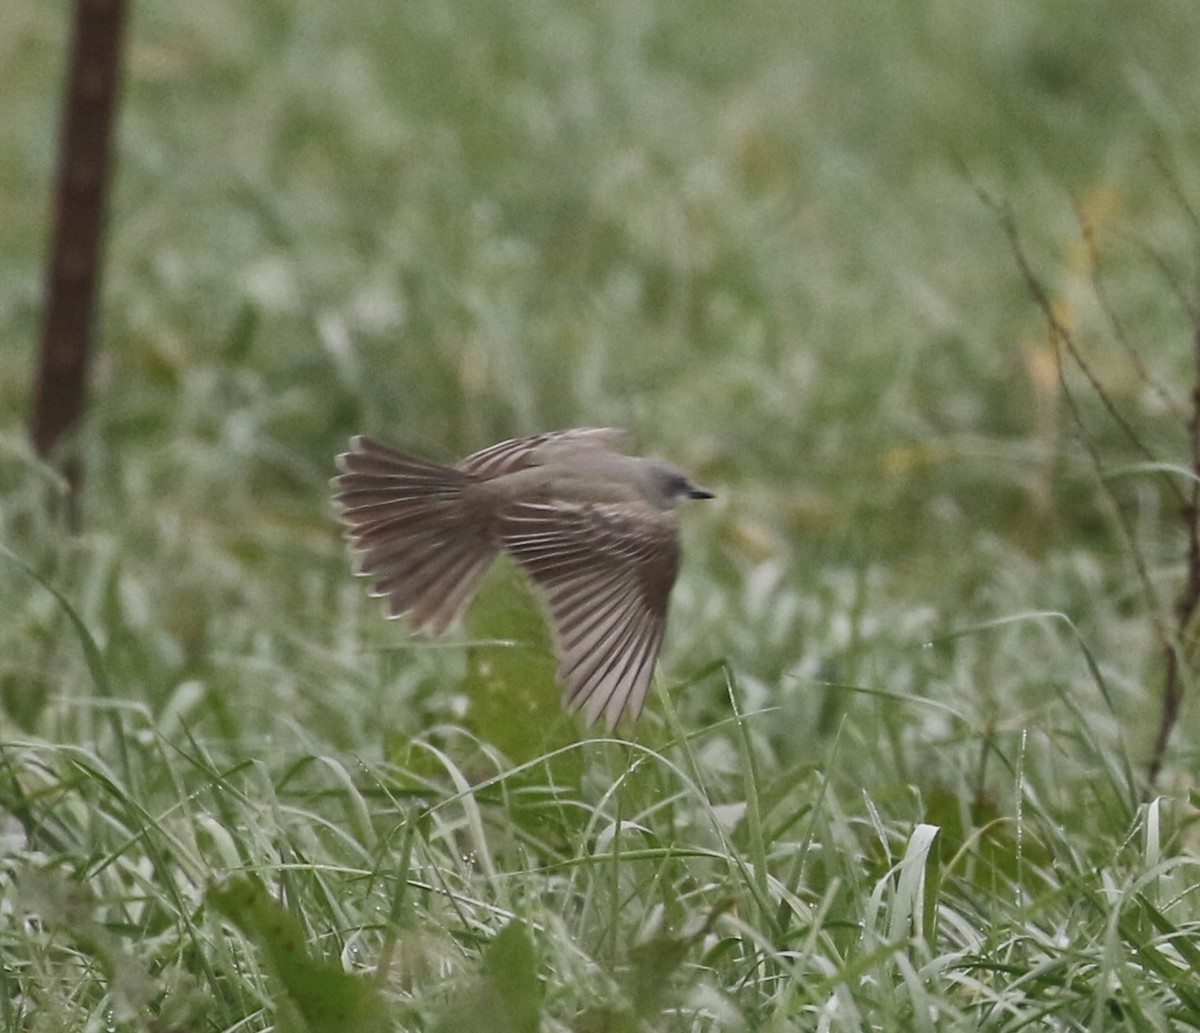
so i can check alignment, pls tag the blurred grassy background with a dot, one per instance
(751, 234)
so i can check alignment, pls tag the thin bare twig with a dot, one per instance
(1062, 334)
(1172, 640)
(1189, 599)
(1172, 404)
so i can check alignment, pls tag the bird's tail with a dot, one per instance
(407, 518)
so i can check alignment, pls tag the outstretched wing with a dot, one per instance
(606, 572)
(518, 453)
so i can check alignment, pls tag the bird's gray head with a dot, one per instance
(666, 484)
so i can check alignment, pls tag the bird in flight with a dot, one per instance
(593, 528)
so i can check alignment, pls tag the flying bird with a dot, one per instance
(593, 528)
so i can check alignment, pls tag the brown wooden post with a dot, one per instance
(73, 275)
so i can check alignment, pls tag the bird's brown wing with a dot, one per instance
(519, 453)
(606, 571)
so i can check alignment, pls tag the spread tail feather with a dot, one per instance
(406, 517)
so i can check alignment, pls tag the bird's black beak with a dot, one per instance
(700, 493)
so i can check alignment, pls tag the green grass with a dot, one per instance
(893, 777)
